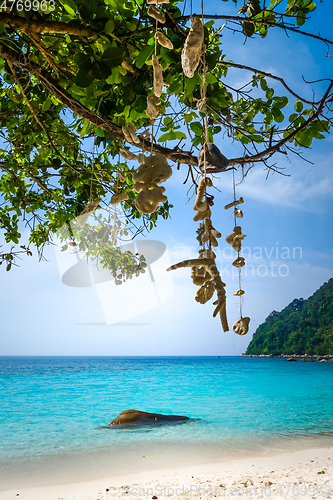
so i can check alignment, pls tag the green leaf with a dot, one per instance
(278, 116)
(298, 106)
(248, 29)
(300, 19)
(83, 61)
(197, 128)
(56, 163)
(304, 138)
(101, 71)
(109, 27)
(143, 56)
(84, 78)
(280, 102)
(263, 84)
(176, 86)
(269, 93)
(180, 135)
(112, 57)
(47, 104)
(210, 78)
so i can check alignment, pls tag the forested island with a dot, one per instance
(303, 327)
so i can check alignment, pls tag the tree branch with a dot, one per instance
(273, 149)
(178, 156)
(269, 75)
(10, 21)
(107, 125)
(257, 21)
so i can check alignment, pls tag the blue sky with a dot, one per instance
(287, 220)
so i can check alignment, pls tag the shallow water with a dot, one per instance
(51, 408)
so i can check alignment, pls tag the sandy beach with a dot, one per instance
(302, 474)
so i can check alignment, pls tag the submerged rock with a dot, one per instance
(136, 417)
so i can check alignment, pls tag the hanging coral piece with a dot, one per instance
(235, 238)
(239, 262)
(192, 49)
(213, 277)
(117, 198)
(129, 133)
(201, 207)
(152, 171)
(204, 272)
(239, 293)
(238, 213)
(234, 203)
(215, 160)
(152, 109)
(163, 40)
(241, 326)
(156, 13)
(210, 234)
(158, 76)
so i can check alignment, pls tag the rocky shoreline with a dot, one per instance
(294, 357)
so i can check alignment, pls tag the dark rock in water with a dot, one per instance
(215, 160)
(291, 359)
(136, 417)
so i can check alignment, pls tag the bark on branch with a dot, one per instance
(10, 21)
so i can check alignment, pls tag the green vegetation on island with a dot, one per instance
(303, 327)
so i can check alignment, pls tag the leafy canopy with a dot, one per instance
(81, 69)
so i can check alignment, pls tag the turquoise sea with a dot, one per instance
(52, 408)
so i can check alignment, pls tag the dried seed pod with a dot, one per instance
(125, 153)
(158, 76)
(121, 176)
(238, 213)
(156, 14)
(114, 233)
(241, 326)
(239, 292)
(152, 109)
(131, 129)
(118, 198)
(129, 133)
(126, 134)
(163, 40)
(192, 49)
(239, 262)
